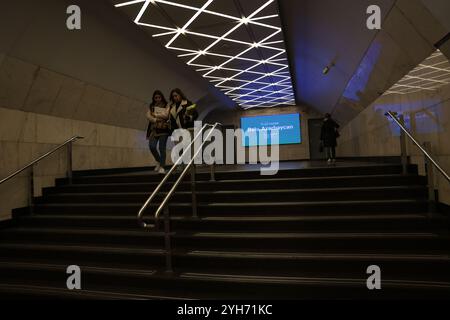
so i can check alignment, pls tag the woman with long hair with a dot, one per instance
(158, 129)
(183, 112)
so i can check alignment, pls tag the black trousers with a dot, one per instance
(330, 152)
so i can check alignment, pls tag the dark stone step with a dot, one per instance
(239, 209)
(350, 223)
(227, 286)
(406, 242)
(232, 175)
(250, 184)
(283, 195)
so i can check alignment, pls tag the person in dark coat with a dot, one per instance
(183, 112)
(328, 137)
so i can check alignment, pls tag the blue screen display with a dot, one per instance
(288, 126)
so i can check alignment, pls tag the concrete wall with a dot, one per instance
(109, 54)
(95, 82)
(287, 152)
(24, 136)
(427, 116)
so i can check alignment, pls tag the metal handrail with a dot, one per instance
(140, 216)
(414, 140)
(40, 158)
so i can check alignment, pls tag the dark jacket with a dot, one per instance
(329, 133)
(179, 118)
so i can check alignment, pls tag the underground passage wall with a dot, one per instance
(287, 152)
(427, 116)
(95, 82)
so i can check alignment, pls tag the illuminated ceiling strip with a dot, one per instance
(268, 95)
(164, 34)
(433, 80)
(234, 29)
(129, 3)
(245, 51)
(182, 31)
(412, 87)
(246, 89)
(270, 102)
(234, 58)
(239, 80)
(252, 82)
(249, 19)
(261, 100)
(265, 96)
(260, 105)
(142, 11)
(231, 58)
(237, 70)
(247, 81)
(279, 94)
(258, 64)
(266, 17)
(424, 79)
(284, 84)
(253, 21)
(216, 42)
(433, 72)
(424, 66)
(153, 26)
(430, 75)
(273, 99)
(184, 28)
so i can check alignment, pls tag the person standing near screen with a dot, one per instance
(328, 137)
(158, 131)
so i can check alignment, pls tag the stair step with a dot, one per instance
(249, 184)
(270, 208)
(83, 254)
(304, 233)
(382, 193)
(138, 237)
(318, 222)
(359, 242)
(216, 285)
(14, 291)
(230, 175)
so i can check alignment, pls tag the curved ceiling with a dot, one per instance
(236, 45)
(250, 49)
(432, 74)
(320, 33)
(364, 63)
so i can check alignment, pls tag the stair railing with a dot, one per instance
(164, 207)
(31, 192)
(429, 159)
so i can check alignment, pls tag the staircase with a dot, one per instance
(302, 234)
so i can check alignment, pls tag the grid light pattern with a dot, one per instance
(430, 75)
(236, 45)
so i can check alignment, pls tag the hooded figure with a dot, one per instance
(328, 137)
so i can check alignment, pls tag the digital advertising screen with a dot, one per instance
(288, 126)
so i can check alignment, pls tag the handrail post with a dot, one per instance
(31, 190)
(213, 172)
(69, 162)
(194, 193)
(404, 154)
(167, 240)
(430, 182)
